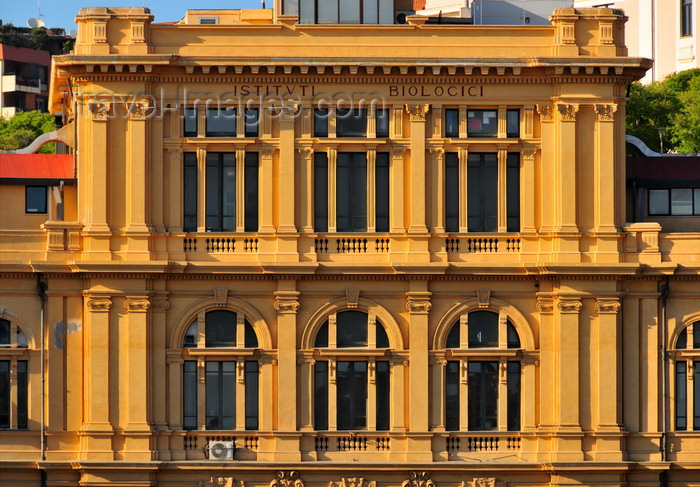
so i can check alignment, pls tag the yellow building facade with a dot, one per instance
(344, 255)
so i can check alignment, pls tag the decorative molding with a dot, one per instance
(287, 479)
(437, 152)
(419, 479)
(267, 151)
(545, 306)
(307, 152)
(137, 304)
(353, 297)
(418, 302)
(218, 481)
(220, 296)
(99, 110)
(417, 113)
(160, 303)
(529, 152)
(606, 113)
(99, 304)
(353, 482)
(546, 113)
(286, 301)
(569, 306)
(398, 151)
(567, 111)
(174, 152)
(483, 297)
(141, 110)
(482, 482)
(607, 306)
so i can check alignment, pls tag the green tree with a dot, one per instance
(19, 131)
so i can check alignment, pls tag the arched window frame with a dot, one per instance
(179, 354)
(15, 362)
(685, 374)
(527, 355)
(395, 355)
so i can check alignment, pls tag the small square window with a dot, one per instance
(482, 123)
(35, 201)
(208, 20)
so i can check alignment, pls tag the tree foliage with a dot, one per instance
(19, 131)
(673, 104)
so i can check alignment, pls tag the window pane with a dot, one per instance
(307, 12)
(228, 191)
(513, 338)
(483, 396)
(213, 193)
(696, 202)
(251, 395)
(382, 122)
(189, 395)
(482, 192)
(681, 201)
(453, 338)
(221, 122)
(451, 192)
(386, 11)
(483, 329)
(4, 332)
(35, 199)
(351, 384)
(327, 12)
(4, 393)
(321, 395)
(696, 396)
(382, 192)
(251, 122)
(681, 398)
(320, 122)
(382, 338)
(190, 192)
(350, 12)
(190, 340)
(370, 13)
(658, 202)
(228, 395)
(213, 395)
(221, 191)
(321, 192)
(251, 192)
(482, 123)
(452, 396)
(513, 192)
(220, 329)
(383, 395)
(290, 7)
(682, 341)
(351, 192)
(451, 122)
(351, 329)
(513, 385)
(190, 122)
(696, 334)
(322, 336)
(513, 123)
(351, 123)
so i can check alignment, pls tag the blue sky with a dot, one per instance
(61, 13)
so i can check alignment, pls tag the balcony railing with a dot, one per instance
(13, 82)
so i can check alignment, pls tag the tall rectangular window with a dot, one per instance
(452, 406)
(351, 192)
(189, 395)
(382, 192)
(221, 192)
(251, 395)
(351, 387)
(320, 122)
(482, 192)
(513, 192)
(382, 122)
(681, 397)
(220, 395)
(686, 18)
(483, 396)
(452, 122)
(251, 192)
(251, 122)
(189, 180)
(696, 396)
(321, 395)
(452, 192)
(383, 395)
(321, 191)
(190, 122)
(5, 393)
(513, 385)
(512, 123)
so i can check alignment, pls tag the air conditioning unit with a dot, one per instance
(220, 450)
(400, 16)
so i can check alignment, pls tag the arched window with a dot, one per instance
(483, 374)
(14, 412)
(352, 373)
(686, 370)
(220, 373)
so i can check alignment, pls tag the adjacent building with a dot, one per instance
(24, 81)
(286, 252)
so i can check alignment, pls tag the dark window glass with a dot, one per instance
(251, 395)
(681, 201)
(681, 398)
(320, 122)
(4, 393)
(382, 338)
(482, 192)
(453, 337)
(483, 329)
(220, 329)
(452, 122)
(251, 339)
(35, 201)
(513, 123)
(251, 192)
(382, 192)
(513, 387)
(686, 18)
(513, 338)
(682, 341)
(221, 122)
(382, 123)
(351, 329)
(4, 332)
(383, 391)
(483, 396)
(351, 123)
(351, 192)
(322, 336)
(251, 122)
(321, 192)
(482, 123)
(513, 192)
(452, 192)
(351, 385)
(190, 192)
(221, 192)
(220, 395)
(190, 122)
(696, 396)
(452, 396)
(189, 395)
(321, 395)
(696, 335)
(659, 202)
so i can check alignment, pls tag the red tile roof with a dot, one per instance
(36, 166)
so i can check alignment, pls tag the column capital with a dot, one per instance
(607, 306)
(567, 111)
(98, 304)
(605, 112)
(418, 302)
(417, 113)
(569, 305)
(286, 301)
(546, 113)
(137, 304)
